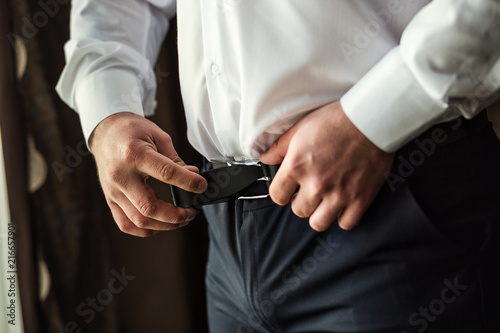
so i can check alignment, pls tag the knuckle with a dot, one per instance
(276, 197)
(317, 189)
(167, 171)
(299, 211)
(147, 207)
(177, 160)
(116, 175)
(337, 198)
(130, 152)
(129, 228)
(296, 164)
(168, 139)
(140, 222)
(124, 227)
(110, 194)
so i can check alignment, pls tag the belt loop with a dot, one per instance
(226, 181)
(269, 172)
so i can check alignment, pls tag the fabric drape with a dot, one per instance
(72, 251)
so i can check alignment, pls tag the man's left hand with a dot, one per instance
(336, 169)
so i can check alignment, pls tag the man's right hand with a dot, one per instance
(129, 149)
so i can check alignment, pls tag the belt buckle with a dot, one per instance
(266, 178)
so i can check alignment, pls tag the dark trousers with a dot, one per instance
(416, 263)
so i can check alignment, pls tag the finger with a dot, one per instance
(164, 169)
(351, 216)
(305, 201)
(144, 200)
(144, 222)
(277, 152)
(326, 213)
(125, 225)
(165, 146)
(282, 187)
(192, 168)
(273, 155)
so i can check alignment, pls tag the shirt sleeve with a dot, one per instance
(110, 55)
(448, 60)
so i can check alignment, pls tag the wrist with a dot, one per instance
(106, 126)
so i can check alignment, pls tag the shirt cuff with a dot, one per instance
(389, 106)
(108, 92)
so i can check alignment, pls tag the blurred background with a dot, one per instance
(76, 272)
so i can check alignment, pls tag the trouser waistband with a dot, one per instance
(229, 181)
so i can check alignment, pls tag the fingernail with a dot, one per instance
(202, 186)
(183, 224)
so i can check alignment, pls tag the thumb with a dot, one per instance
(276, 153)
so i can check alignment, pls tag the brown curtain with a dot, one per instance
(13, 139)
(64, 223)
(100, 280)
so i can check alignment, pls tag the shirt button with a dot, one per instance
(215, 69)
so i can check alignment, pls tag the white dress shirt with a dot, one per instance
(249, 69)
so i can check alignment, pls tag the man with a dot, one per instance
(330, 91)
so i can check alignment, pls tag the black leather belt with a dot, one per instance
(225, 182)
(229, 181)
